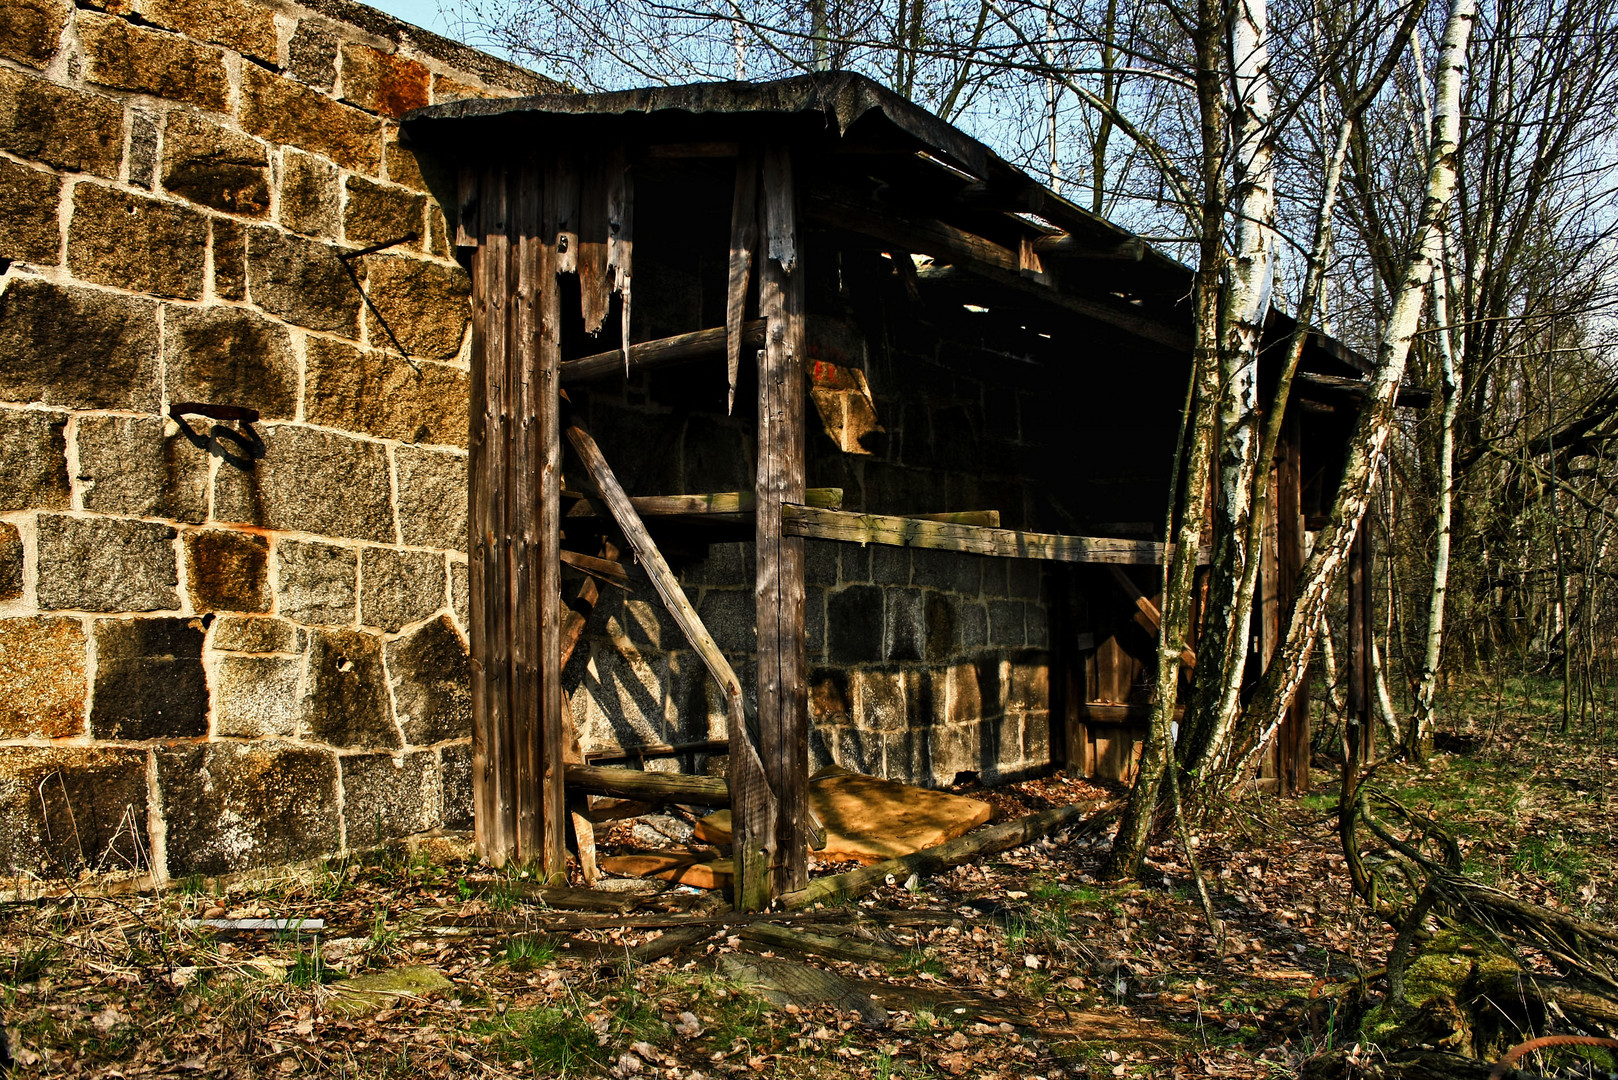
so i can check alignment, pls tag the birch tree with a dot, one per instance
(1325, 563)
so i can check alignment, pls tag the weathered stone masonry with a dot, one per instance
(223, 646)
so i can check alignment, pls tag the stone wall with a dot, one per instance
(226, 644)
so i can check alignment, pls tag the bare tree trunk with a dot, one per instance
(1209, 742)
(1188, 495)
(1450, 345)
(1222, 645)
(1286, 673)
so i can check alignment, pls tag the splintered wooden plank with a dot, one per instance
(678, 349)
(579, 611)
(748, 785)
(621, 237)
(783, 706)
(743, 239)
(605, 569)
(780, 208)
(949, 536)
(562, 209)
(595, 288)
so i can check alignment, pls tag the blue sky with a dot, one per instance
(423, 13)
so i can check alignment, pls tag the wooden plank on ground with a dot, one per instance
(677, 349)
(899, 531)
(987, 841)
(783, 704)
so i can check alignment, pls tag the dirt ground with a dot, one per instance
(1020, 965)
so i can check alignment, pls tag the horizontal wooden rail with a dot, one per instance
(1106, 713)
(650, 354)
(651, 787)
(950, 536)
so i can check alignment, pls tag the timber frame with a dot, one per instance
(544, 209)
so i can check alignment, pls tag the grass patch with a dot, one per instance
(528, 951)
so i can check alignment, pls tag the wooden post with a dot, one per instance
(487, 554)
(1293, 740)
(783, 707)
(543, 462)
(1360, 627)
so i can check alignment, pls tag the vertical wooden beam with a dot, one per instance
(1293, 738)
(783, 710)
(743, 239)
(1360, 627)
(543, 418)
(490, 436)
(524, 513)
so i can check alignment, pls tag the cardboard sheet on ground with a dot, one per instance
(697, 869)
(869, 819)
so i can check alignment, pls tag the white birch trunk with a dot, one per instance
(1247, 289)
(1450, 344)
(1287, 672)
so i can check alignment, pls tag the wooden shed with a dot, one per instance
(905, 343)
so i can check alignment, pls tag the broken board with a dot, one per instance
(698, 869)
(869, 819)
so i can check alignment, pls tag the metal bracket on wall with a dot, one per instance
(345, 258)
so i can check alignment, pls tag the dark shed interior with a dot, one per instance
(886, 426)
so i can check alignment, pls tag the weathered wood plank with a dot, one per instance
(926, 236)
(723, 502)
(678, 349)
(986, 841)
(989, 519)
(783, 706)
(743, 239)
(1293, 738)
(1151, 619)
(606, 569)
(595, 289)
(492, 779)
(649, 787)
(526, 523)
(479, 451)
(546, 461)
(898, 531)
(562, 208)
(621, 237)
(467, 231)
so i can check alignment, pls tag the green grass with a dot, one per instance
(528, 951)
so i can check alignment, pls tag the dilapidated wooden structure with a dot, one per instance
(829, 266)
